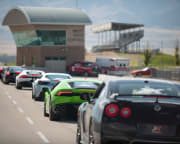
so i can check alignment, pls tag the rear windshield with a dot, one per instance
(34, 73)
(51, 77)
(16, 69)
(143, 88)
(83, 85)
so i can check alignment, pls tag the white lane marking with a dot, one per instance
(29, 120)
(42, 136)
(10, 97)
(20, 110)
(14, 102)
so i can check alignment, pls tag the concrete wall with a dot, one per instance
(73, 50)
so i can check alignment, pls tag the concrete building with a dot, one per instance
(48, 37)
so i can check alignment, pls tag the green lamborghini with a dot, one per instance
(64, 99)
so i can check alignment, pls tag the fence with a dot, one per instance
(168, 74)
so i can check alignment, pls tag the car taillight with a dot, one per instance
(8, 73)
(112, 110)
(125, 112)
(18, 72)
(23, 76)
(63, 92)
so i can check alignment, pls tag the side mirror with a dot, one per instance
(85, 96)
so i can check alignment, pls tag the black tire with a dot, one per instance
(91, 136)
(33, 96)
(52, 115)
(18, 86)
(6, 81)
(45, 113)
(78, 134)
(42, 95)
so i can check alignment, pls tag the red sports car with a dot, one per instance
(147, 71)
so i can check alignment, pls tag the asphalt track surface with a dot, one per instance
(22, 120)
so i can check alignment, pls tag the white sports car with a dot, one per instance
(48, 80)
(26, 77)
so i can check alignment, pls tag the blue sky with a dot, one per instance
(160, 18)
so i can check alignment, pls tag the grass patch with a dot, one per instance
(10, 64)
(160, 60)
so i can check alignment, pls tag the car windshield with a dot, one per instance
(83, 85)
(51, 77)
(144, 88)
(145, 69)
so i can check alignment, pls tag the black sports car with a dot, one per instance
(9, 73)
(131, 111)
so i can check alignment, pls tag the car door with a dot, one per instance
(87, 115)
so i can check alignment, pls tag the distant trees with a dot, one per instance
(147, 56)
(177, 62)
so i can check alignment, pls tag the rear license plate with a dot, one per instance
(160, 130)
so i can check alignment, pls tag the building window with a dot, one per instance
(33, 61)
(50, 38)
(55, 58)
(40, 38)
(26, 38)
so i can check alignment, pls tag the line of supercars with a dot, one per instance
(124, 110)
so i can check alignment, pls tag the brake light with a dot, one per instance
(112, 110)
(125, 112)
(8, 73)
(63, 92)
(23, 76)
(18, 72)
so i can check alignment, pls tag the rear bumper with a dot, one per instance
(115, 132)
(11, 79)
(61, 108)
(26, 83)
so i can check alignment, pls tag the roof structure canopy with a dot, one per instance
(46, 15)
(115, 27)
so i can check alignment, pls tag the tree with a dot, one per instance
(177, 53)
(147, 56)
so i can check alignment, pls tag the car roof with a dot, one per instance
(85, 80)
(141, 79)
(33, 70)
(57, 74)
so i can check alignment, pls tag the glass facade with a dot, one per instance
(26, 38)
(40, 38)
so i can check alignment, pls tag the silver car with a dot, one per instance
(26, 77)
(48, 80)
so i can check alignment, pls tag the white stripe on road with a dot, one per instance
(42, 136)
(10, 97)
(20, 110)
(14, 102)
(29, 120)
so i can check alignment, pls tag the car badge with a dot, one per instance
(156, 129)
(157, 108)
